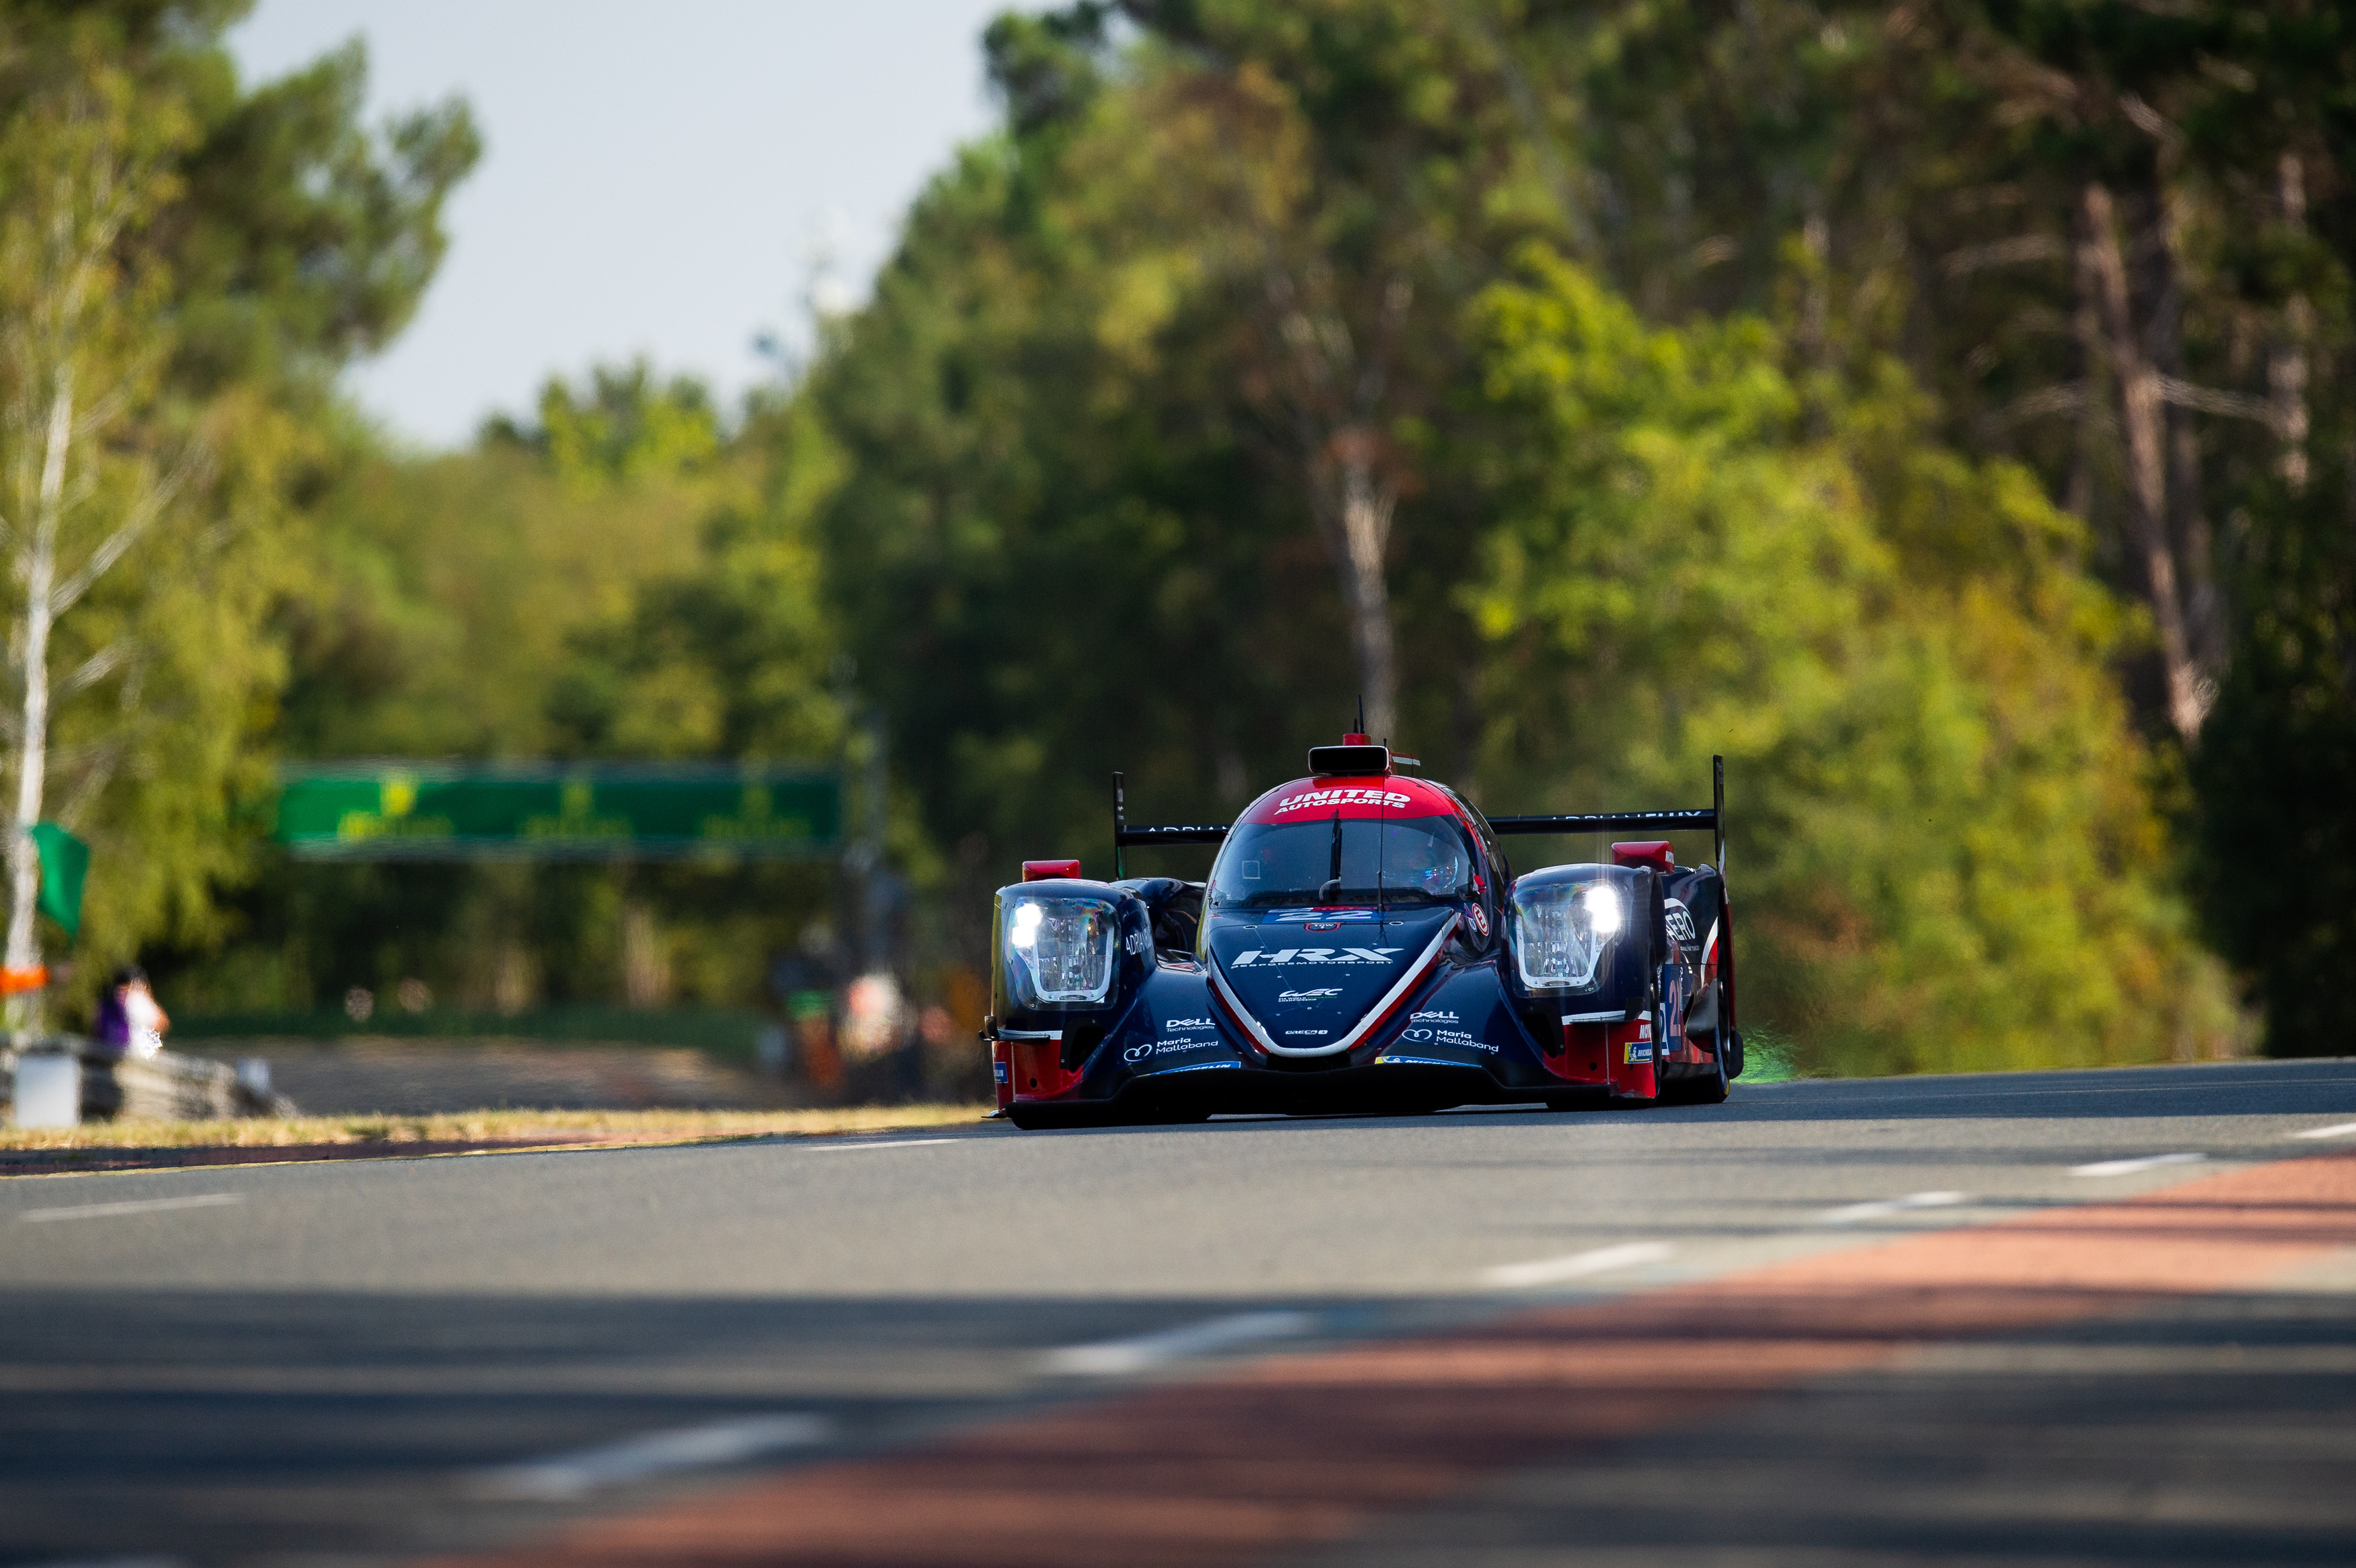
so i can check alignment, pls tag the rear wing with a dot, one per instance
(1711, 817)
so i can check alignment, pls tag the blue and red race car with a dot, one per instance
(1362, 945)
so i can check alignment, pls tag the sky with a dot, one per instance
(670, 180)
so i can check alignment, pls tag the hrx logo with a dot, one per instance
(1263, 958)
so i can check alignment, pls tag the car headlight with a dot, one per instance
(1562, 930)
(1059, 951)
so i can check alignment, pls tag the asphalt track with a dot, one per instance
(1840, 1323)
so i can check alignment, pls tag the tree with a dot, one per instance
(2079, 223)
(1943, 842)
(623, 576)
(1056, 548)
(2276, 833)
(87, 437)
(186, 266)
(1341, 177)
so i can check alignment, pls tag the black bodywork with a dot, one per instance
(1413, 1007)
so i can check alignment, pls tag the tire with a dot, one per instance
(1171, 1116)
(1041, 1118)
(1703, 1089)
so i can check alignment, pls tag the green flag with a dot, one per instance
(65, 861)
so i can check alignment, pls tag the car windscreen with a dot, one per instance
(1334, 860)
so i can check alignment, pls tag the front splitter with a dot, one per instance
(1382, 1088)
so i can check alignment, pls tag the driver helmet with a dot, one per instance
(1428, 862)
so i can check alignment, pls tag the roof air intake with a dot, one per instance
(1349, 760)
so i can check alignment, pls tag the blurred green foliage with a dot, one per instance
(1655, 378)
(618, 583)
(1942, 837)
(2276, 833)
(1619, 547)
(273, 238)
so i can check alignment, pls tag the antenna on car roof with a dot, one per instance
(1361, 714)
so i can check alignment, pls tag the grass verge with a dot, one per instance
(1767, 1057)
(484, 1127)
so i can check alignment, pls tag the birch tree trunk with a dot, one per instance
(2137, 385)
(36, 562)
(2286, 363)
(1338, 380)
(1355, 510)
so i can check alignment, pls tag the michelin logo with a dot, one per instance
(1263, 958)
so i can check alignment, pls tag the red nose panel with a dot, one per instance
(1652, 852)
(1040, 870)
(1037, 1068)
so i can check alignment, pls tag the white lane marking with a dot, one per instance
(897, 1142)
(2128, 1166)
(1577, 1265)
(132, 1206)
(1116, 1357)
(567, 1476)
(2336, 1130)
(1883, 1208)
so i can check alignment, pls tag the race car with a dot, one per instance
(1362, 945)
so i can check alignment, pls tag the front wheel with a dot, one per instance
(1034, 1118)
(1703, 1089)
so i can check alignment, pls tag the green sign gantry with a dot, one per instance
(533, 811)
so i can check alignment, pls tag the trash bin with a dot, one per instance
(48, 1090)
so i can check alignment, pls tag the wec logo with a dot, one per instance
(1389, 799)
(1308, 996)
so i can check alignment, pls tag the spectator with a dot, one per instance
(131, 1023)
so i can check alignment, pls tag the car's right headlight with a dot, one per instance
(1563, 929)
(1059, 951)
